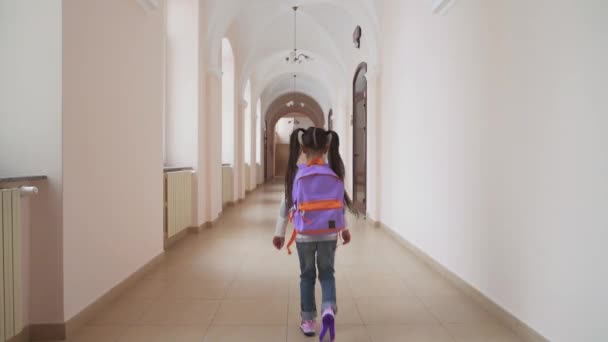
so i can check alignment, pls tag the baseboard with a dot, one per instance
(520, 328)
(169, 242)
(47, 332)
(104, 301)
(204, 226)
(23, 336)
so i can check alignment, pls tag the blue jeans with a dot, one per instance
(324, 252)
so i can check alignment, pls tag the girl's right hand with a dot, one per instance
(346, 236)
(278, 242)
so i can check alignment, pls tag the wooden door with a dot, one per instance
(360, 139)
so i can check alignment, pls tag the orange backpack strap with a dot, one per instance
(292, 239)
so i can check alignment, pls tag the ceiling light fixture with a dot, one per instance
(294, 57)
(292, 103)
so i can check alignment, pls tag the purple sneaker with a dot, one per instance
(309, 328)
(329, 319)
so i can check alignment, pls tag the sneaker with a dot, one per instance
(309, 328)
(329, 319)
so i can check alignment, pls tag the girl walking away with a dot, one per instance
(315, 200)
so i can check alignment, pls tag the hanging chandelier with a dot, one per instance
(292, 103)
(294, 57)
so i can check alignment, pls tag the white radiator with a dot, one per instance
(178, 202)
(260, 174)
(11, 309)
(227, 185)
(247, 177)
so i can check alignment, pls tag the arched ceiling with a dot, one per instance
(261, 33)
(283, 84)
(277, 109)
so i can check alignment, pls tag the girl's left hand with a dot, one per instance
(346, 237)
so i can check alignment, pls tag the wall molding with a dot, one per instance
(520, 328)
(47, 332)
(23, 336)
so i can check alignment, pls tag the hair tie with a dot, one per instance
(300, 137)
(314, 136)
(330, 136)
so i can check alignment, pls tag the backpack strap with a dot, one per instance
(292, 239)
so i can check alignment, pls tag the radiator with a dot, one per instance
(260, 174)
(178, 202)
(227, 185)
(11, 309)
(247, 177)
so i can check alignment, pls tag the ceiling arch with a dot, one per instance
(283, 84)
(278, 108)
(261, 33)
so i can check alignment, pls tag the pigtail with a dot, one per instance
(292, 164)
(337, 165)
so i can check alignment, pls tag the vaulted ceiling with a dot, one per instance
(261, 34)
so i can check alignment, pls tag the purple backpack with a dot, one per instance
(318, 198)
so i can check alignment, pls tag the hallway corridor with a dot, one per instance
(229, 284)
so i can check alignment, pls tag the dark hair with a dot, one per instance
(316, 140)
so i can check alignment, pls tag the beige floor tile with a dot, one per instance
(167, 270)
(259, 287)
(481, 332)
(252, 312)
(99, 334)
(350, 333)
(148, 288)
(456, 309)
(246, 333)
(209, 272)
(371, 270)
(409, 333)
(198, 288)
(362, 286)
(122, 311)
(231, 279)
(163, 334)
(393, 310)
(181, 312)
(429, 284)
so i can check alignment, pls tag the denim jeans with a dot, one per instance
(319, 255)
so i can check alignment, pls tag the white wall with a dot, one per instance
(182, 83)
(112, 151)
(259, 133)
(30, 137)
(228, 104)
(493, 137)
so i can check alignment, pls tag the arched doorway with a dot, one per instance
(283, 130)
(360, 138)
(287, 105)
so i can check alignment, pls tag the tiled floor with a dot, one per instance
(229, 284)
